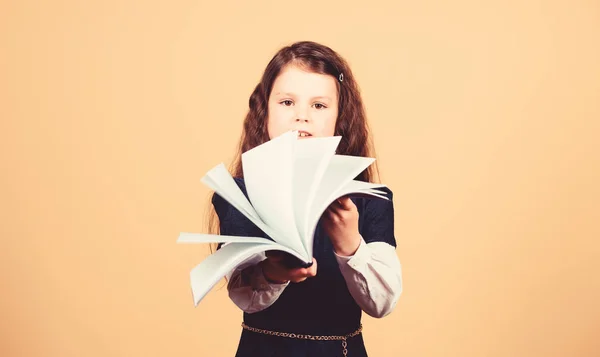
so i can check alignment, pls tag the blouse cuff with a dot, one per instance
(358, 259)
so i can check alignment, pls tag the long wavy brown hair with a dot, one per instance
(351, 123)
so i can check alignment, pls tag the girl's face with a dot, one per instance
(303, 101)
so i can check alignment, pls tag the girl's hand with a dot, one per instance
(275, 272)
(340, 222)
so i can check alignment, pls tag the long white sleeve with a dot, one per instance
(373, 276)
(249, 289)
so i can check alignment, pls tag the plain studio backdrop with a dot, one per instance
(486, 119)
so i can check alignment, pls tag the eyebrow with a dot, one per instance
(292, 95)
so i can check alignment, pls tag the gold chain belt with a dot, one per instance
(308, 337)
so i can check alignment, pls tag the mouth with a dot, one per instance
(304, 134)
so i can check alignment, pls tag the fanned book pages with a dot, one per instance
(290, 182)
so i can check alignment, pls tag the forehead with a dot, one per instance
(296, 80)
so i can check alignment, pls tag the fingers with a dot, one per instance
(340, 210)
(333, 215)
(301, 274)
(334, 211)
(342, 204)
(345, 203)
(274, 268)
(312, 270)
(336, 205)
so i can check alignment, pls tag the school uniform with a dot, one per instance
(314, 317)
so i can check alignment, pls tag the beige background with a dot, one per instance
(486, 120)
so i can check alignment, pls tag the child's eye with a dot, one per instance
(320, 106)
(286, 102)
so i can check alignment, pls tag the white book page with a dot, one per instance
(359, 193)
(205, 275)
(355, 188)
(364, 194)
(220, 181)
(185, 237)
(359, 187)
(342, 169)
(268, 175)
(311, 160)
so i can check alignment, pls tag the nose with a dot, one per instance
(301, 115)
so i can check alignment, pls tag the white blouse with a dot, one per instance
(373, 276)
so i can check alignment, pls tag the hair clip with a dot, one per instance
(341, 77)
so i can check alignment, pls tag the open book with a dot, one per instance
(290, 182)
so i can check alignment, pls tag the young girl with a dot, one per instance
(313, 311)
